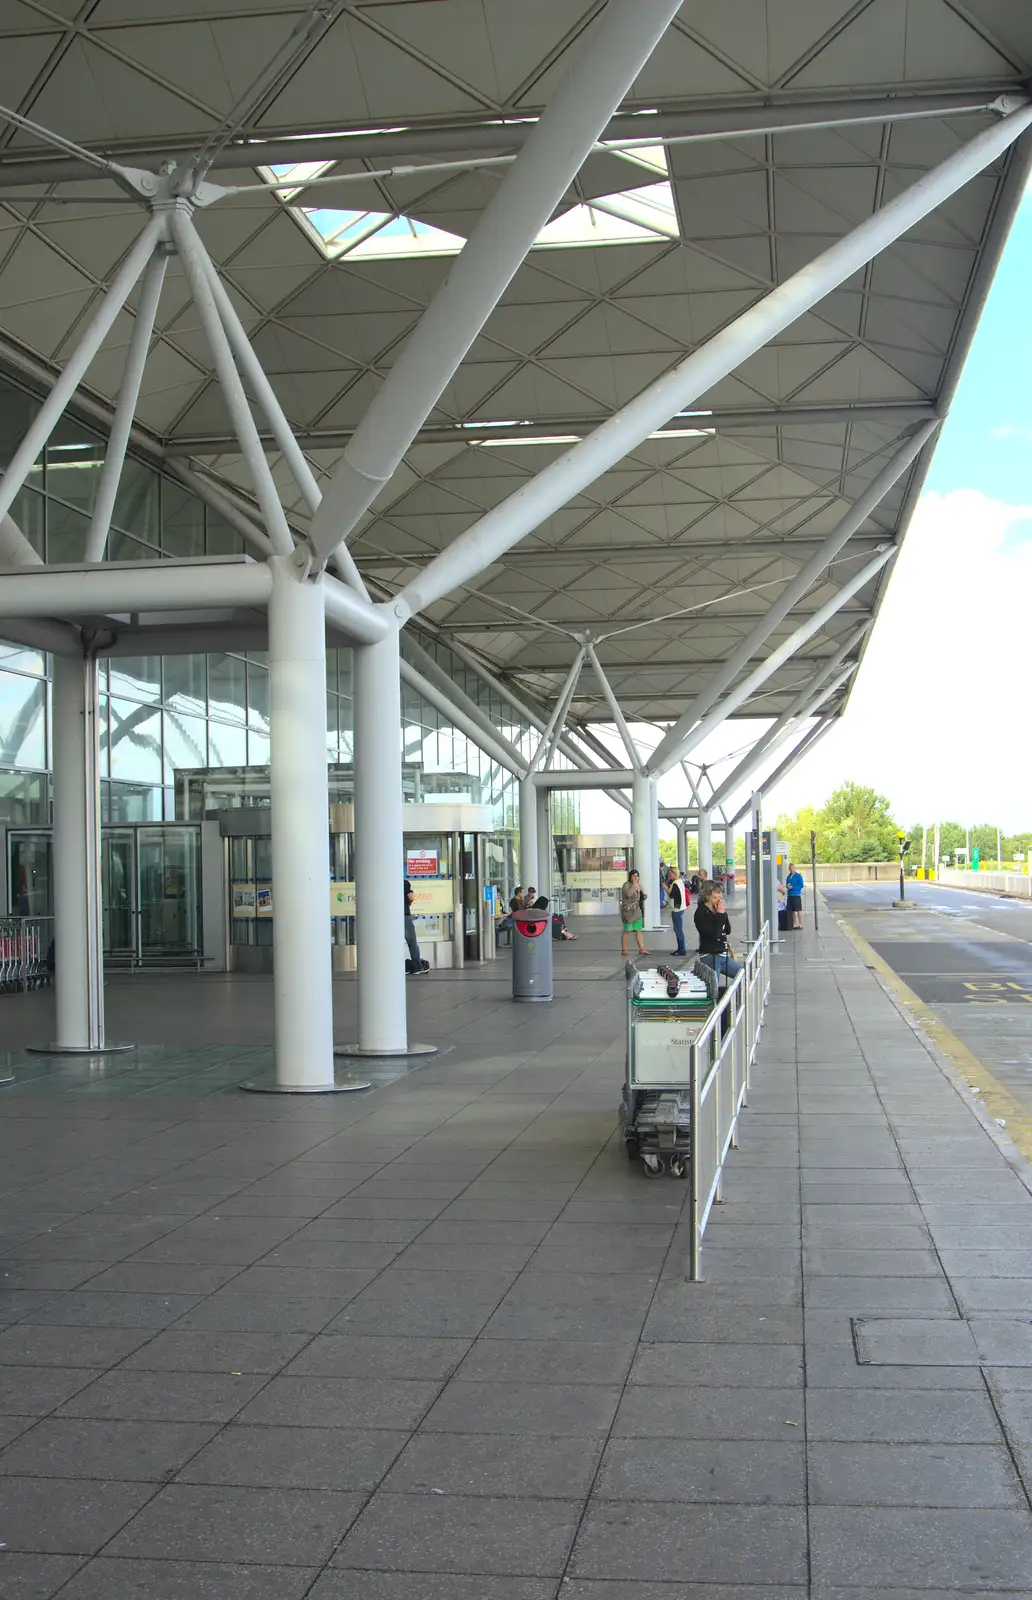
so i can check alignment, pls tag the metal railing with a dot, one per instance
(721, 1058)
(24, 947)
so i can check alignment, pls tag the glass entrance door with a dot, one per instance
(150, 878)
(119, 890)
(167, 883)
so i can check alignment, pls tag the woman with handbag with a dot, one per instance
(632, 912)
(714, 929)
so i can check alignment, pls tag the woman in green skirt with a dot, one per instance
(632, 912)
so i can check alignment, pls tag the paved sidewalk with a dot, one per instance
(435, 1343)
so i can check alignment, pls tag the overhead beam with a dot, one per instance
(75, 591)
(36, 165)
(604, 66)
(578, 624)
(854, 519)
(680, 387)
(603, 555)
(751, 419)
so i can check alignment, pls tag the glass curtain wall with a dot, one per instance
(163, 716)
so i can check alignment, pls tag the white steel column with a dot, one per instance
(380, 854)
(610, 58)
(706, 843)
(496, 532)
(528, 833)
(78, 934)
(543, 870)
(650, 880)
(299, 800)
(641, 826)
(682, 848)
(729, 847)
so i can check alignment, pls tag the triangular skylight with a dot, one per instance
(639, 215)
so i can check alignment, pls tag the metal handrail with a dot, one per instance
(721, 1057)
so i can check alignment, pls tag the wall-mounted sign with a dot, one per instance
(263, 902)
(242, 901)
(434, 897)
(342, 899)
(421, 864)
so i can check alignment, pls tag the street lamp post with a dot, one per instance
(904, 846)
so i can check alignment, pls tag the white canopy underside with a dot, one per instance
(701, 527)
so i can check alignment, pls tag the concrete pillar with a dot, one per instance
(78, 934)
(299, 800)
(682, 848)
(528, 867)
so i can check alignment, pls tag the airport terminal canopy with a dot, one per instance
(759, 132)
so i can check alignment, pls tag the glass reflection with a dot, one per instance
(22, 721)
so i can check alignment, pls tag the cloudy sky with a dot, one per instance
(940, 718)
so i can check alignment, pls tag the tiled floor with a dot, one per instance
(435, 1342)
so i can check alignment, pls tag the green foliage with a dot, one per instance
(854, 824)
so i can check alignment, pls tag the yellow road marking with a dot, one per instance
(998, 1101)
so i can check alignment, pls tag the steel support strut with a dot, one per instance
(674, 745)
(579, 466)
(613, 52)
(125, 405)
(784, 652)
(95, 332)
(802, 705)
(622, 729)
(811, 737)
(195, 265)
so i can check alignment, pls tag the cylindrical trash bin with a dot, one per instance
(532, 955)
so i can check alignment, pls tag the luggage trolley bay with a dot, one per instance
(667, 1009)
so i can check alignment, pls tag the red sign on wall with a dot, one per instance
(422, 863)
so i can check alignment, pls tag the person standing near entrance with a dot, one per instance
(675, 894)
(795, 885)
(632, 912)
(415, 966)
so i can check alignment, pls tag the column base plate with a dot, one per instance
(344, 1086)
(79, 1049)
(358, 1054)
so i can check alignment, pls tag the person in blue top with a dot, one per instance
(795, 885)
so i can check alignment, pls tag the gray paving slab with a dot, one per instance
(454, 1295)
(126, 1579)
(285, 1527)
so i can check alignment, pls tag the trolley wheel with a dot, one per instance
(652, 1166)
(678, 1166)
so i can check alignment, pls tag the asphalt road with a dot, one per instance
(968, 956)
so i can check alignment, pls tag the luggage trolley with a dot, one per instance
(666, 1011)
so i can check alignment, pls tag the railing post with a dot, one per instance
(694, 1249)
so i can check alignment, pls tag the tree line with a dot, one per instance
(856, 823)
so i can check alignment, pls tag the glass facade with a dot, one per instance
(163, 717)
